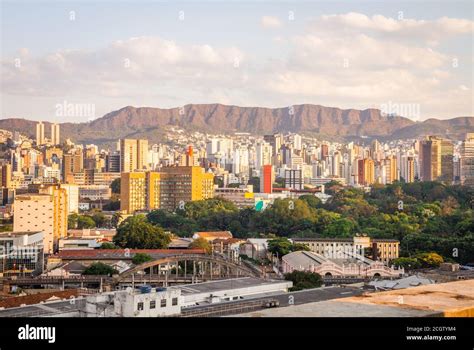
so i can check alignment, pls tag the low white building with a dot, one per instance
(67, 243)
(211, 292)
(135, 303)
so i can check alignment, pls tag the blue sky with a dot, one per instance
(349, 54)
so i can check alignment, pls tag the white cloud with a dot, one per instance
(270, 22)
(427, 30)
(349, 61)
(142, 60)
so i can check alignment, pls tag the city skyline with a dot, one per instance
(346, 55)
(307, 161)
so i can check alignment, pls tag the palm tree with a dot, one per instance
(116, 219)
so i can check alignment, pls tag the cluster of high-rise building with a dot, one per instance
(45, 179)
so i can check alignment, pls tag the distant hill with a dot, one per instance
(326, 122)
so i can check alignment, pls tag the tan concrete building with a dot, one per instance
(40, 134)
(73, 163)
(436, 158)
(47, 212)
(133, 155)
(383, 250)
(55, 140)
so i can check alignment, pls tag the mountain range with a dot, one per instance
(325, 122)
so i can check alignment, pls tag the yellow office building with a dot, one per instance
(168, 189)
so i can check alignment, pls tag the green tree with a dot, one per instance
(112, 205)
(99, 268)
(342, 227)
(116, 219)
(175, 222)
(136, 232)
(72, 221)
(201, 243)
(304, 280)
(279, 246)
(312, 201)
(100, 219)
(206, 207)
(85, 221)
(108, 245)
(283, 246)
(115, 186)
(141, 258)
(430, 259)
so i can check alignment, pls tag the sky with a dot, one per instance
(70, 61)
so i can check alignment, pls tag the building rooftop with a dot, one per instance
(306, 259)
(452, 299)
(37, 298)
(27, 196)
(229, 284)
(348, 240)
(323, 239)
(97, 254)
(401, 283)
(18, 233)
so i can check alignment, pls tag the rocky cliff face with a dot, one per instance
(328, 122)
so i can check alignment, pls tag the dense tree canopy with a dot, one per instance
(99, 268)
(283, 246)
(304, 280)
(136, 232)
(201, 243)
(141, 258)
(424, 216)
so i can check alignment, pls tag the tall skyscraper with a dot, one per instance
(113, 163)
(366, 171)
(275, 141)
(324, 151)
(5, 175)
(142, 154)
(430, 159)
(297, 142)
(392, 169)
(73, 163)
(407, 168)
(447, 165)
(264, 154)
(128, 155)
(39, 134)
(55, 134)
(436, 156)
(267, 176)
(467, 160)
(294, 179)
(133, 154)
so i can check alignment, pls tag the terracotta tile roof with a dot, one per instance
(37, 298)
